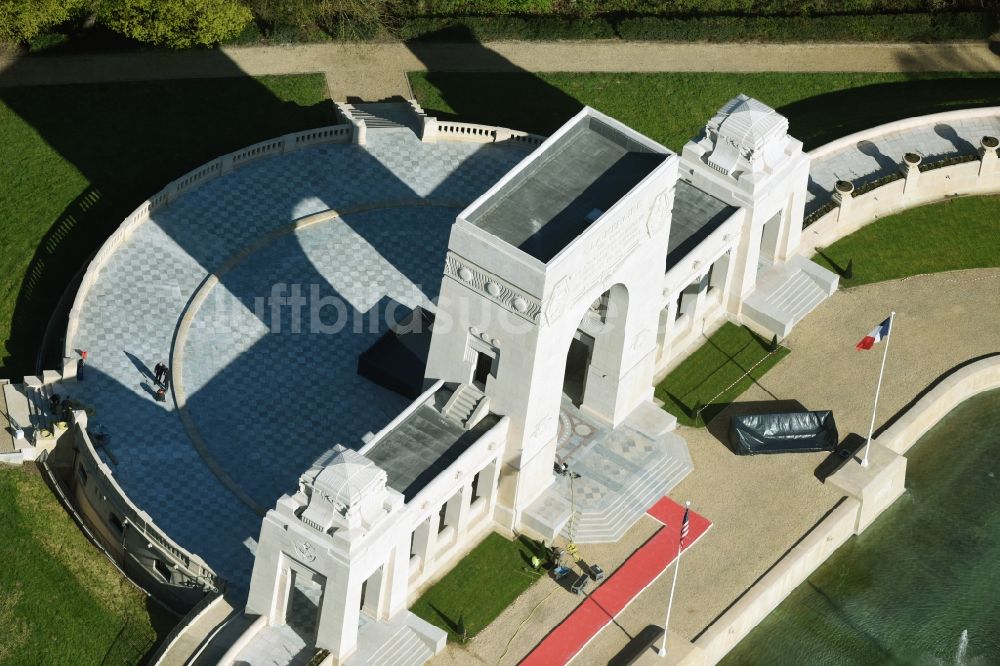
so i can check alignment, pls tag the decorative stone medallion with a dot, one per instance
(305, 551)
(506, 296)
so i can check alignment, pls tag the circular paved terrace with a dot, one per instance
(263, 391)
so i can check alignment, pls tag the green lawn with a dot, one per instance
(480, 587)
(956, 234)
(723, 359)
(78, 159)
(61, 601)
(672, 107)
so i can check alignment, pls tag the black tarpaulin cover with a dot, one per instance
(783, 433)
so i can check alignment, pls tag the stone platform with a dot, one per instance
(268, 391)
(616, 474)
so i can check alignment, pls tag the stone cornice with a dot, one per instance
(486, 284)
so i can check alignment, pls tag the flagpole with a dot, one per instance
(878, 388)
(673, 586)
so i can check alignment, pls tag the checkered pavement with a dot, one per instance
(267, 404)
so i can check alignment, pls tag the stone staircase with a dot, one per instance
(384, 115)
(405, 648)
(786, 293)
(609, 523)
(38, 395)
(405, 640)
(466, 405)
(615, 476)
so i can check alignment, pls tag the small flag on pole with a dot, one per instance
(879, 332)
(684, 525)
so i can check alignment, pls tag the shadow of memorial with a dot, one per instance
(268, 401)
(487, 88)
(125, 141)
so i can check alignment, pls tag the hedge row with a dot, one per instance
(921, 27)
(673, 8)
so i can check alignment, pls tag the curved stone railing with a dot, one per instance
(438, 130)
(217, 167)
(170, 642)
(195, 567)
(915, 184)
(954, 389)
(900, 125)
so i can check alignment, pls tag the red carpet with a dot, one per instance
(642, 568)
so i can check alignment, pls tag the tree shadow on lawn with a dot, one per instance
(823, 118)
(127, 140)
(505, 95)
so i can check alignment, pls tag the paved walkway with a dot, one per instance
(761, 505)
(375, 71)
(601, 607)
(269, 391)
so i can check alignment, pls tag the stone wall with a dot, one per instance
(870, 491)
(142, 550)
(790, 571)
(915, 184)
(983, 375)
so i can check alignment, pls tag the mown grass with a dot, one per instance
(78, 159)
(480, 587)
(61, 600)
(672, 107)
(952, 235)
(724, 358)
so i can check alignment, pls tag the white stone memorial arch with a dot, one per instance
(570, 243)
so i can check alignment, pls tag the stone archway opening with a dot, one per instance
(594, 355)
(302, 606)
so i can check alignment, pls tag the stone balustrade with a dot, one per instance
(919, 180)
(438, 130)
(916, 185)
(112, 494)
(217, 167)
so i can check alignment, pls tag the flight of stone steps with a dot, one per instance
(404, 648)
(462, 404)
(785, 294)
(798, 295)
(383, 115)
(405, 640)
(608, 520)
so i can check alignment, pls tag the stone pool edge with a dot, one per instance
(867, 493)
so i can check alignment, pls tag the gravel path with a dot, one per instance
(760, 506)
(375, 71)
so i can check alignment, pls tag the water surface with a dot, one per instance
(922, 584)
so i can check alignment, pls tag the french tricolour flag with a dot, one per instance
(879, 332)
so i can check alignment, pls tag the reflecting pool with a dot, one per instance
(922, 584)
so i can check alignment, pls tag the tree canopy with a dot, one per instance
(21, 20)
(176, 23)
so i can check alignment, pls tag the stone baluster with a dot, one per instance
(989, 161)
(843, 196)
(911, 170)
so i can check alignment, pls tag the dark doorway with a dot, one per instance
(484, 364)
(581, 348)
